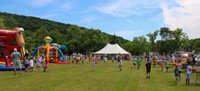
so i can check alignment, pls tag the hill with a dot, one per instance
(79, 39)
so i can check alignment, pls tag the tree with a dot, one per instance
(2, 26)
(140, 45)
(152, 38)
(114, 40)
(129, 47)
(193, 45)
(171, 40)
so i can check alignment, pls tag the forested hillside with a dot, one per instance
(77, 39)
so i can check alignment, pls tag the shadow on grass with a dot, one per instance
(172, 83)
(193, 85)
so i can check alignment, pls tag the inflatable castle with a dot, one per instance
(10, 39)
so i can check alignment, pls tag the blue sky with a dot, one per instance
(125, 18)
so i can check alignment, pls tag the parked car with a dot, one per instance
(197, 58)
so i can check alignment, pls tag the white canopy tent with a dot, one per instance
(112, 49)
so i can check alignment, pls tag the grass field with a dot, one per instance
(107, 77)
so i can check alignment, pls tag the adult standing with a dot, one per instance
(173, 59)
(16, 61)
(193, 60)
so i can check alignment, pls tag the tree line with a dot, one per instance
(84, 40)
(169, 42)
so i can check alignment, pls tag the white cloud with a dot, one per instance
(89, 19)
(62, 7)
(57, 9)
(41, 2)
(67, 6)
(125, 8)
(184, 15)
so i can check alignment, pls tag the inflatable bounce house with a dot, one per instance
(10, 39)
(51, 51)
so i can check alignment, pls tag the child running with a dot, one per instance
(139, 61)
(26, 64)
(120, 62)
(189, 72)
(167, 65)
(6, 61)
(44, 64)
(38, 63)
(179, 67)
(148, 66)
(113, 58)
(31, 64)
(93, 63)
(154, 61)
(134, 61)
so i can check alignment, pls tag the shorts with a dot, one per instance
(26, 65)
(120, 66)
(179, 72)
(31, 67)
(45, 67)
(177, 77)
(17, 64)
(38, 64)
(148, 68)
(167, 67)
(188, 76)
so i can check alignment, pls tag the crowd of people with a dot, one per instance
(28, 62)
(165, 60)
(174, 62)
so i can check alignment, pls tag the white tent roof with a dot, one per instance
(112, 49)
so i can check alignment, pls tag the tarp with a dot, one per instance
(112, 49)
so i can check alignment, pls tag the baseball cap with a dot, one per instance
(15, 49)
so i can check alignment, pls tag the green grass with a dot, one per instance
(107, 77)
